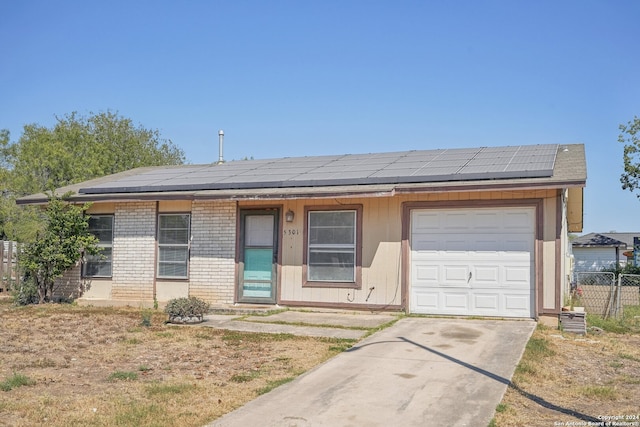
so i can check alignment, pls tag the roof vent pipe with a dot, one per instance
(220, 144)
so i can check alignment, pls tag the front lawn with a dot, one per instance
(62, 365)
(566, 379)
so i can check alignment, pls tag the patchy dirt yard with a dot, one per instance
(87, 366)
(572, 380)
(62, 365)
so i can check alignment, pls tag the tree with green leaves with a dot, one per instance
(79, 148)
(59, 245)
(4, 167)
(75, 149)
(7, 204)
(630, 137)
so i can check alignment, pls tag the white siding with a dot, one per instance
(595, 259)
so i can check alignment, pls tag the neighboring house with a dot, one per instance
(480, 231)
(595, 251)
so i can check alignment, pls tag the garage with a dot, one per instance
(473, 261)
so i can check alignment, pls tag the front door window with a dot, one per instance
(259, 256)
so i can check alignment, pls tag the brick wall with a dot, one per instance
(212, 265)
(212, 257)
(134, 251)
(69, 286)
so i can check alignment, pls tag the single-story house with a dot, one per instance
(596, 251)
(477, 231)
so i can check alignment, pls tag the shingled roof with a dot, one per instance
(613, 240)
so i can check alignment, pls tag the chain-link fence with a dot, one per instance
(594, 292)
(601, 294)
(629, 297)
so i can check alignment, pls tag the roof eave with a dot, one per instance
(310, 192)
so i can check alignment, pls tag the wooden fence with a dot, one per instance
(9, 274)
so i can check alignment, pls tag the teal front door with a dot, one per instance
(259, 256)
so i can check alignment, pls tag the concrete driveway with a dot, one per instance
(419, 372)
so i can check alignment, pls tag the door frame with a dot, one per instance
(277, 247)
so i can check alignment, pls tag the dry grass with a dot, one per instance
(100, 367)
(564, 379)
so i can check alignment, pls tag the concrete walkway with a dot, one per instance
(335, 324)
(418, 372)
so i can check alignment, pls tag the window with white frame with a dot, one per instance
(99, 265)
(332, 253)
(173, 245)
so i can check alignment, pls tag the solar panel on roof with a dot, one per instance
(377, 168)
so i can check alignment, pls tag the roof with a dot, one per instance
(547, 165)
(619, 240)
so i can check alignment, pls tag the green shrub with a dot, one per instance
(147, 316)
(627, 269)
(185, 310)
(26, 292)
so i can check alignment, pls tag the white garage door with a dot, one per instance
(472, 262)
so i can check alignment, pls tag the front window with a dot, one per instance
(101, 226)
(173, 246)
(332, 247)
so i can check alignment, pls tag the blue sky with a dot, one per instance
(297, 78)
